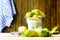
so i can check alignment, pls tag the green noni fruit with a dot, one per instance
(44, 33)
(28, 14)
(30, 33)
(36, 11)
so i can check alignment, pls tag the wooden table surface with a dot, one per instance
(9, 36)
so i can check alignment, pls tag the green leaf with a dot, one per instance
(54, 29)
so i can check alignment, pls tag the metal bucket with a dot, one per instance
(32, 24)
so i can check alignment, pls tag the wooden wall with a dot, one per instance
(51, 8)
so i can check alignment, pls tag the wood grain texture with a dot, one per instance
(36, 4)
(30, 5)
(53, 13)
(23, 12)
(48, 14)
(51, 8)
(58, 14)
(18, 14)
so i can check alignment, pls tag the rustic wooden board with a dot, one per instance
(47, 13)
(58, 14)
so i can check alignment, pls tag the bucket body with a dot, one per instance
(32, 24)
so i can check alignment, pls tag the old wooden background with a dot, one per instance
(51, 8)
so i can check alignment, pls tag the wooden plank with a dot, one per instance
(36, 4)
(23, 11)
(30, 5)
(18, 15)
(6, 29)
(47, 13)
(42, 5)
(53, 13)
(58, 14)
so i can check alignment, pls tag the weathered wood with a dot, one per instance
(18, 15)
(30, 5)
(53, 11)
(48, 14)
(36, 4)
(58, 14)
(23, 11)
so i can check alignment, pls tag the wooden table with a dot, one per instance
(9, 36)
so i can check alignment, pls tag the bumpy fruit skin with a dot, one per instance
(22, 29)
(30, 33)
(29, 14)
(44, 33)
(36, 11)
